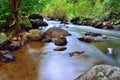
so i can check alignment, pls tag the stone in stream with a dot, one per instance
(60, 41)
(77, 53)
(6, 56)
(89, 39)
(35, 16)
(35, 34)
(60, 48)
(38, 23)
(55, 32)
(92, 34)
(101, 72)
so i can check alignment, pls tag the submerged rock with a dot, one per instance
(89, 39)
(60, 48)
(101, 72)
(92, 34)
(6, 56)
(55, 32)
(60, 41)
(77, 53)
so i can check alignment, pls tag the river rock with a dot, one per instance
(47, 39)
(35, 34)
(89, 39)
(101, 72)
(38, 23)
(77, 53)
(60, 48)
(75, 21)
(6, 56)
(55, 32)
(92, 34)
(60, 41)
(35, 16)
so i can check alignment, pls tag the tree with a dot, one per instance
(14, 20)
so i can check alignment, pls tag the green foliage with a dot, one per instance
(4, 10)
(99, 9)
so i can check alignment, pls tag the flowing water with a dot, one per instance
(37, 60)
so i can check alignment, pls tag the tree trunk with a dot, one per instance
(14, 24)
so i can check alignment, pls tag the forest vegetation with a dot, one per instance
(96, 9)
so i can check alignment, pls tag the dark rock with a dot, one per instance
(37, 24)
(92, 34)
(101, 72)
(60, 41)
(6, 56)
(87, 21)
(117, 27)
(108, 25)
(99, 25)
(14, 46)
(75, 21)
(47, 39)
(60, 48)
(55, 32)
(76, 53)
(89, 39)
(35, 16)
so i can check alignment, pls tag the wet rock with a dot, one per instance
(14, 45)
(99, 25)
(35, 34)
(108, 25)
(117, 27)
(47, 39)
(101, 72)
(60, 41)
(78, 53)
(60, 48)
(55, 32)
(89, 39)
(87, 21)
(35, 16)
(10, 45)
(92, 34)
(75, 21)
(6, 56)
(38, 23)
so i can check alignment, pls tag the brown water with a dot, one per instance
(37, 60)
(25, 66)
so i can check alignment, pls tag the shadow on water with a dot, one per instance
(38, 61)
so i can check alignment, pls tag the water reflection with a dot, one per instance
(62, 67)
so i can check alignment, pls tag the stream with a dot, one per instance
(38, 61)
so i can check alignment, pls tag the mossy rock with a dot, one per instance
(35, 34)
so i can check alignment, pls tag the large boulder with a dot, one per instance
(35, 34)
(6, 56)
(60, 41)
(55, 32)
(101, 72)
(38, 23)
(35, 16)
